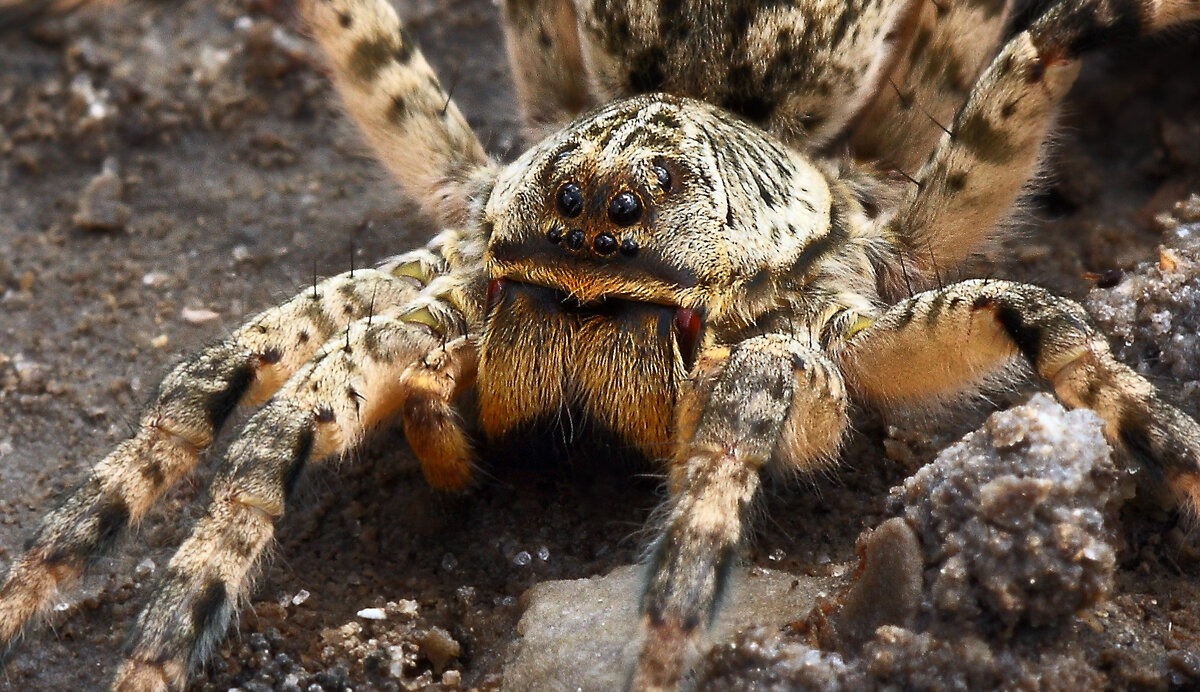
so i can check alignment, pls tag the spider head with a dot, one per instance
(655, 199)
(617, 243)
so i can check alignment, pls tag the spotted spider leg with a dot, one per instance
(950, 340)
(951, 44)
(991, 148)
(191, 405)
(391, 92)
(380, 367)
(542, 38)
(769, 401)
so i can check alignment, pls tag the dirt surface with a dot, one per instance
(167, 170)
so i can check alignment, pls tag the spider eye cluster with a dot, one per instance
(624, 209)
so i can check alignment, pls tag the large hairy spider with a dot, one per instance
(693, 268)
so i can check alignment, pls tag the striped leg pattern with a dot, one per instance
(399, 105)
(992, 146)
(191, 405)
(359, 379)
(767, 401)
(952, 339)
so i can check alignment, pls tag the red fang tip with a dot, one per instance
(495, 291)
(687, 325)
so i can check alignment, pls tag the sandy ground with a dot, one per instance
(241, 181)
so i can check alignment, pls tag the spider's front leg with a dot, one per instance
(412, 365)
(951, 340)
(190, 407)
(991, 148)
(766, 401)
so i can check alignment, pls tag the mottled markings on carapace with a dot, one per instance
(920, 42)
(844, 21)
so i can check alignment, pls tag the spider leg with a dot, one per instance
(358, 380)
(547, 63)
(766, 401)
(953, 41)
(992, 145)
(952, 339)
(191, 405)
(393, 94)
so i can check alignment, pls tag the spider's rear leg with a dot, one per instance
(360, 379)
(951, 340)
(954, 40)
(542, 37)
(992, 145)
(191, 404)
(768, 400)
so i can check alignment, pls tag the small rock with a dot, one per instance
(155, 279)
(100, 205)
(372, 614)
(889, 585)
(440, 648)
(582, 634)
(1015, 519)
(403, 608)
(144, 568)
(198, 315)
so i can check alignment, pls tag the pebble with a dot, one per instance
(576, 634)
(198, 315)
(100, 205)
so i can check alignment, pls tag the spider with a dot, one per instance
(689, 264)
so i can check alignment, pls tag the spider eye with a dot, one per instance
(625, 209)
(605, 244)
(687, 328)
(569, 201)
(663, 176)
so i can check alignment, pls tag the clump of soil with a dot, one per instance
(1016, 527)
(1152, 312)
(1016, 520)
